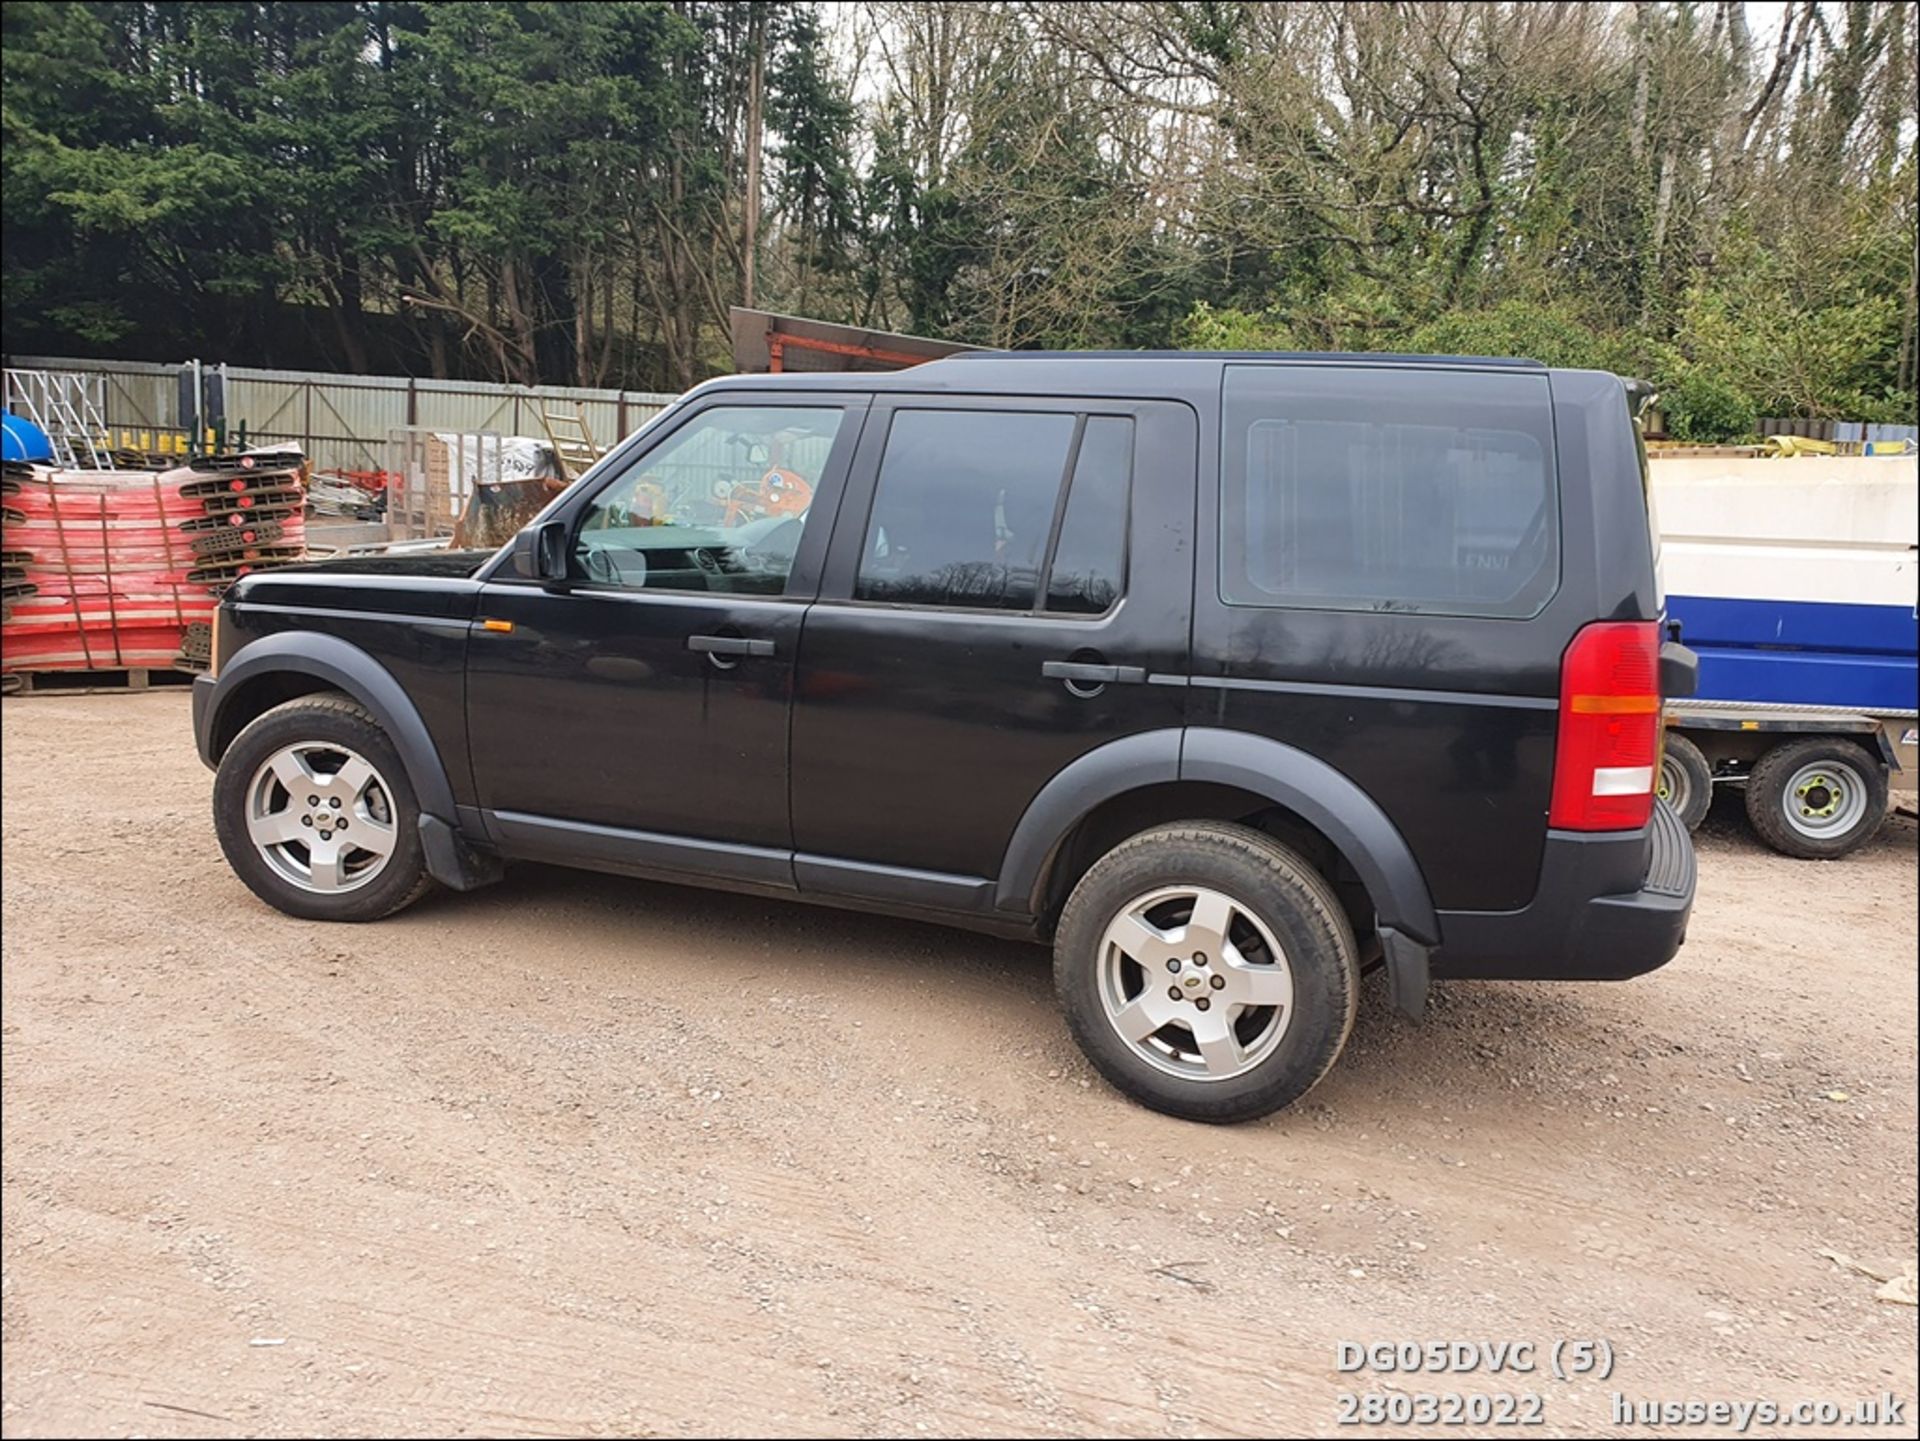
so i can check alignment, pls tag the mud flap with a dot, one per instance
(1407, 972)
(454, 863)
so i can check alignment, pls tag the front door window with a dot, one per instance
(720, 505)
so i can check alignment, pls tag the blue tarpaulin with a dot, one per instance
(22, 439)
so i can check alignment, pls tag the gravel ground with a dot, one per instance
(586, 1155)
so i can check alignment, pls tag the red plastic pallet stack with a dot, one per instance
(119, 570)
(107, 568)
(252, 513)
(14, 585)
(253, 517)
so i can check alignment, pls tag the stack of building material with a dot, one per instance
(349, 494)
(14, 584)
(252, 513)
(108, 572)
(119, 570)
(253, 517)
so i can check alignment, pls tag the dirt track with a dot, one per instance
(580, 1154)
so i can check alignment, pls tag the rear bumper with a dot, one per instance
(1608, 906)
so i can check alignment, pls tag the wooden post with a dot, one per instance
(756, 86)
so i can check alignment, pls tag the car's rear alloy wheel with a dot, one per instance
(320, 815)
(1207, 971)
(1195, 983)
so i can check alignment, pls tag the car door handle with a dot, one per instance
(1085, 673)
(728, 645)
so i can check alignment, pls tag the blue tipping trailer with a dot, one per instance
(1794, 580)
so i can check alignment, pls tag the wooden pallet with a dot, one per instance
(92, 682)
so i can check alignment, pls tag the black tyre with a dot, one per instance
(1817, 799)
(1686, 780)
(315, 813)
(1207, 971)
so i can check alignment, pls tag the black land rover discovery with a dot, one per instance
(1229, 675)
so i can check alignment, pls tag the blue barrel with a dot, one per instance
(22, 439)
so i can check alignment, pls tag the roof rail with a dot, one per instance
(1336, 357)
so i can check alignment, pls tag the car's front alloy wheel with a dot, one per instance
(316, 814)
(321, 816)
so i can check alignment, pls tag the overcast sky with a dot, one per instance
(1763, 19)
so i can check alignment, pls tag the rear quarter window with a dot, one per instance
(1428, 492)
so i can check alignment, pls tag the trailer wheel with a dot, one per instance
(1686, 780)
(1817, 799)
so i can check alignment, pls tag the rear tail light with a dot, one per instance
(1609, 748)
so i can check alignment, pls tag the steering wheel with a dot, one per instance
(709, 566)
(615, 565)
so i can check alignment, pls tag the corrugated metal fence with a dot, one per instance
(341, 421)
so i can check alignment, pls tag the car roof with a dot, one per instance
(1174, 374)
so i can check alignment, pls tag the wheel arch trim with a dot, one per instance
(1148, 758)
(1332, 804)
(1319, 794)
(346, 667)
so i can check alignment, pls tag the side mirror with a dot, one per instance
(540, 552)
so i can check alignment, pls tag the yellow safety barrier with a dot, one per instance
(1801, 445)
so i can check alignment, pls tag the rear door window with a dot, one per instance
(1000, 510)
(1089, 561)
(1424, 491)
(964, 508)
